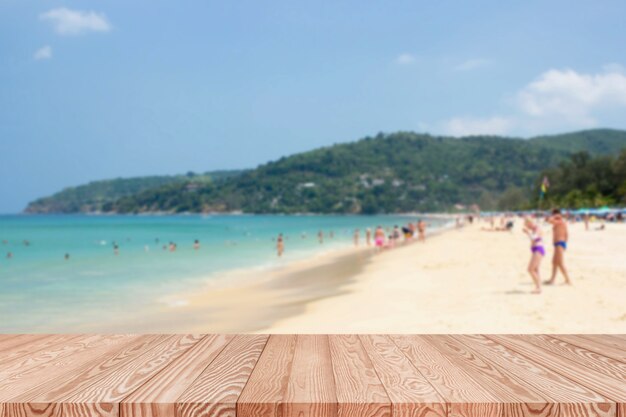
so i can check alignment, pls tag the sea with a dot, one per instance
(60, 272)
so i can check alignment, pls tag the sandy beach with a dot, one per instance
(459, 281)
(473, 281)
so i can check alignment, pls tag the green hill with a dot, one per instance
(596, 141)
(398, 172)
(97, 196)
(389, 173)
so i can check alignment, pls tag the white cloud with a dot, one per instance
(45, 52)
(74, 22)
(404, 59)
(573, 97)
(556, 100)
(464, 126)
(472, 64)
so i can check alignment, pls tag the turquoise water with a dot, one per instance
(42, 291)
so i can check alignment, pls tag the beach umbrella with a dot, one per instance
(601, 211)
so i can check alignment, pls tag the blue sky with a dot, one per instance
(100, 89)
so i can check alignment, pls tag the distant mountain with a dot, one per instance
(98, 196)
(388, 173)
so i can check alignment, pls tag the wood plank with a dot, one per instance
(217, 389)
(93, 363)
(102, 397)
(42, 359)
(266, 389)
(581, 356)
(311, 388)
(574, 399)
(157, 397)
(465, 396)
(359, 390)
(18, 341)
(594, 345)
(612, 340)
(312, 375)
(410, 393)
(602, 383)
(516, 396)
(34, 346)
(18, 384)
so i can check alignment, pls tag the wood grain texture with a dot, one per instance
(489, 373)
(47, 357)
(359, 390)
(157, 397)
(618, 341)
(265, 391)
(464, 395)
(311, 388)
(410, 393)
(35, 346)
(11, 342)
(573, 398)
(515, 396)
(312, 375)
(215, 392)
(111, 387)
(25, 384)
(602, 383)
(603, 364)
(597, 345)
(93, 364)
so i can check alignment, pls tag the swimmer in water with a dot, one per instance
(196, 244)
(280, 245)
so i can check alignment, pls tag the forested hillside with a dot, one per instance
(388, 173)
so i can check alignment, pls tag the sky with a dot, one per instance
(110, 88)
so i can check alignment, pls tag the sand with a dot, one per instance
(472, 281)
(459, 281)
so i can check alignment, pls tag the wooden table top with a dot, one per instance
(312, 375)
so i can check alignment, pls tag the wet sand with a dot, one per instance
(250, 300)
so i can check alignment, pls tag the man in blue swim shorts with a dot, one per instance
(559, 239)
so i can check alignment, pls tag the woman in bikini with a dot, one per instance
(537, 251)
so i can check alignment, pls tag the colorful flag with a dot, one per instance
(545, 184)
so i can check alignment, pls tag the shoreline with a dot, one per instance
(257, 298)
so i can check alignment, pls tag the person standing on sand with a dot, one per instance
(395, 236)
(379, 238)
(280, 245)
(559, 238)
(537, 252)
(421, 230)
(356, 237)
(368, 236)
